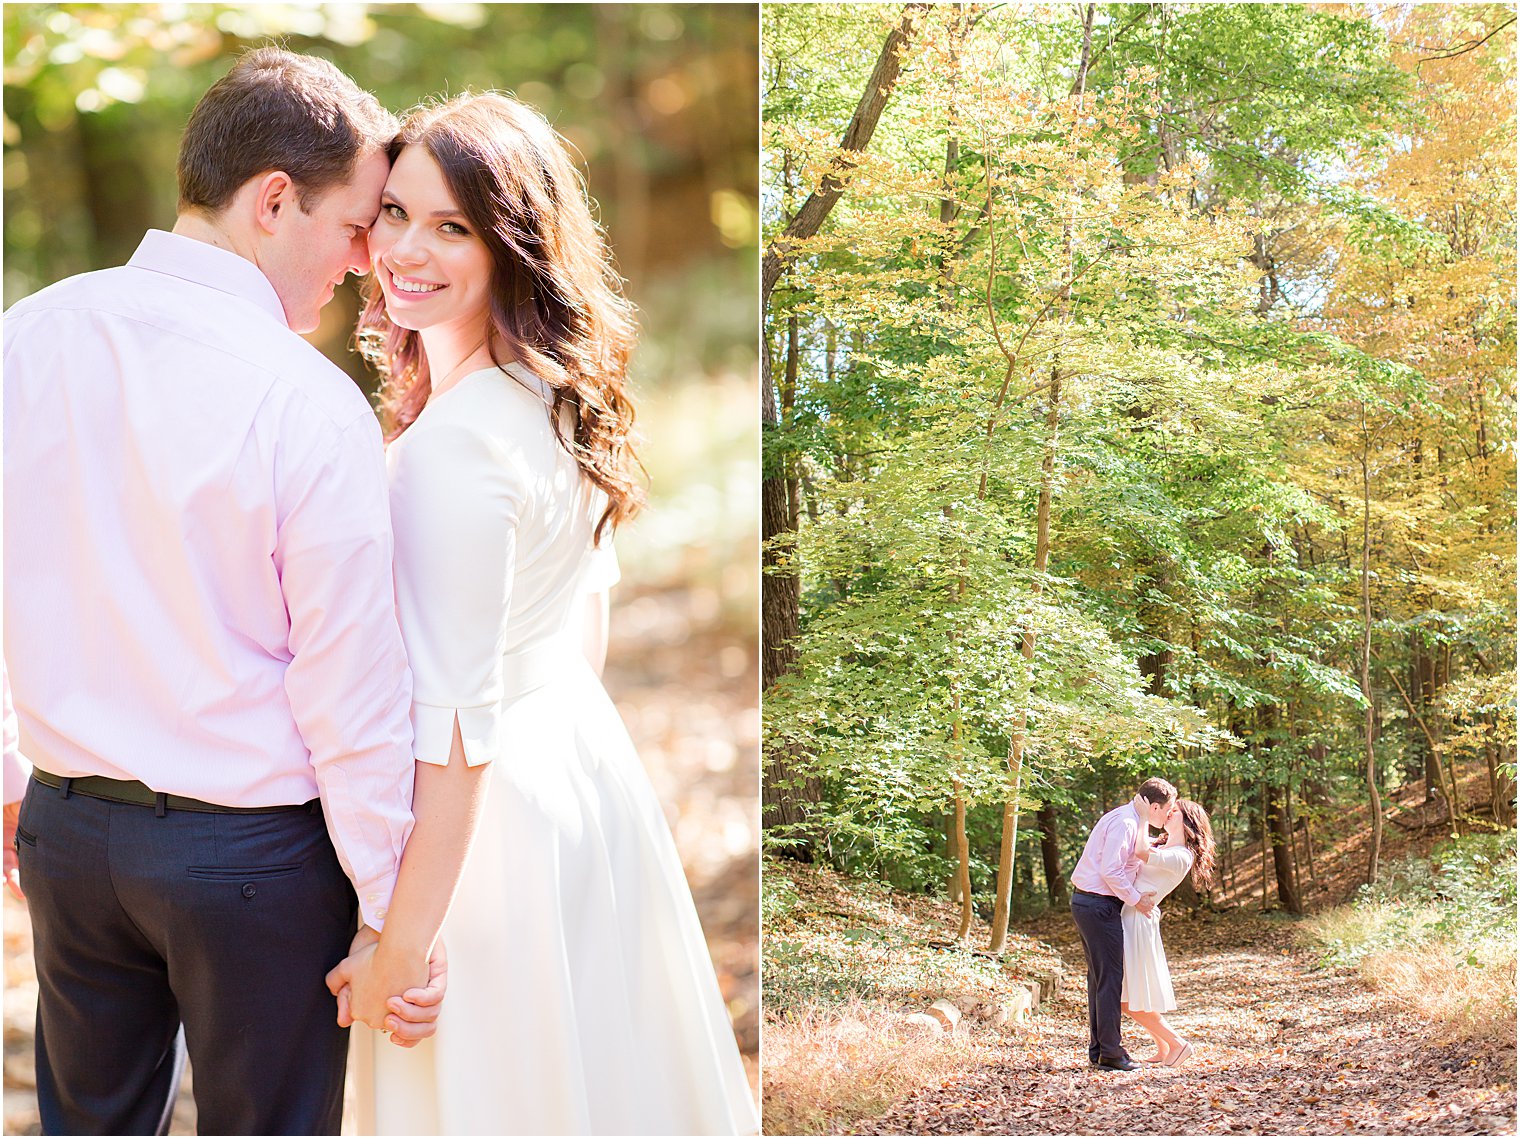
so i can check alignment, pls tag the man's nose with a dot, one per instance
(358, 255)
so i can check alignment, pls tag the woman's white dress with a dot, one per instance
(1147, 980)
(581, 996)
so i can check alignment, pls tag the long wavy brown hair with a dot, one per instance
(1198, 835)
(557, 305)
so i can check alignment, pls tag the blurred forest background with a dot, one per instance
(659, 101)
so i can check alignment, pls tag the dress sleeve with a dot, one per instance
(456, 499)
(1178, 860)
(602, 569)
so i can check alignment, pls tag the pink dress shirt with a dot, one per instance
(198, 589)
(1108, 864)
(17, 769)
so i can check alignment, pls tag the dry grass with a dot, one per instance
(826, 1070)
(1465, 991)
(1466, 998)
(1350, 928)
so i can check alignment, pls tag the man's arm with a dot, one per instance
(17, 772)
(347, 681)
(457, 501)
(1115, 862)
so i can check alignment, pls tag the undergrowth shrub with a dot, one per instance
(1436, 933)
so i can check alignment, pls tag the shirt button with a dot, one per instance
(380, 913)
(249, 889)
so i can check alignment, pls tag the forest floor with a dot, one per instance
(1283, 1045)
(686, 684)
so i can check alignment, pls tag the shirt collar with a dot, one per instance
(204, 264)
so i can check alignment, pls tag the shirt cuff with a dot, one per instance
(17, 772)
(1121, 890)
(433, 733)
(375, 900)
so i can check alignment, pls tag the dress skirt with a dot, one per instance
(1147, 979)
(581, 997)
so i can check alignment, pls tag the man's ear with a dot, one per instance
(273, 198)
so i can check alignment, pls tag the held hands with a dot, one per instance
(1147, 902)
(364, 983)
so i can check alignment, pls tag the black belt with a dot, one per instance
(141, 795)
(1090, 894)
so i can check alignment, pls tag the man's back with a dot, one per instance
(163, 432)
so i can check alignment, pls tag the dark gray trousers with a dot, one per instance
(223, 924)
(1103, 941)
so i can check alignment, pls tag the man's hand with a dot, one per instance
(366, 938)
(363, 980)
(12, 865)
(1147, 902)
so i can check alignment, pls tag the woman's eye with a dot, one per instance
(394, 212)
(455, 228)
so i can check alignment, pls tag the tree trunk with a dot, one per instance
(1050, 855)
(962, 861)
(1374, 800)
(857, 137)
(1017, 737)
(1282, 848)
(1266, 846)
(786, 792)
(1309, 854)
(784, 795)
(1225, 834)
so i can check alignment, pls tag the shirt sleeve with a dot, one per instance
(456, 500)
(347, 680)
(17, 769)
(1118, 863)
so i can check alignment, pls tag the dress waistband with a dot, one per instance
(529, 668)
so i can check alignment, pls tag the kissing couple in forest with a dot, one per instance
(301, 707)
(1117, 884)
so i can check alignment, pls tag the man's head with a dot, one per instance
(286, 156)
(1159, 799)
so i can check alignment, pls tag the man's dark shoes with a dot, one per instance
(1123, 1064)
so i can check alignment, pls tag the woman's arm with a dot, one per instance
(594, 628)
(446, 803)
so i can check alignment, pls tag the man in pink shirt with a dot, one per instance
(1103, 881)
(200, 631)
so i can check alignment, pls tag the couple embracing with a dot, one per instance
(1119, 880)
(281, 684)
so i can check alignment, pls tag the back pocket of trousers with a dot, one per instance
(243, 873)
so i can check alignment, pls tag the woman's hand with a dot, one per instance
(372, 973)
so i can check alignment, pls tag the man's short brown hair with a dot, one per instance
(276, 110)
(1157, 790)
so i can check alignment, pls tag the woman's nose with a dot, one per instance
(407, 248)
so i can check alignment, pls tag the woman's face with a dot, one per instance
(1175, 828)
(433, 269)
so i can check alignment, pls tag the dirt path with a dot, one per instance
(1282, 1048)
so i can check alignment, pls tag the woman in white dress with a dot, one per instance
(1187, 846)
(581, 998)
